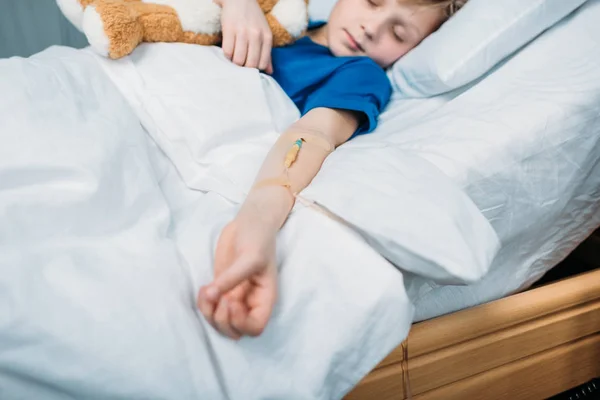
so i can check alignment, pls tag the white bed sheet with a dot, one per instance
(103, 248)
(524, 143)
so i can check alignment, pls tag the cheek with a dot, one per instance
(385, 54)
(344, 10)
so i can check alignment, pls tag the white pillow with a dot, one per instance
(470, 44)
(407, 210)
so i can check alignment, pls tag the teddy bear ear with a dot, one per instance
(73, 11)
(291, 17)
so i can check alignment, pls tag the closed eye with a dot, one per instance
(399, 37)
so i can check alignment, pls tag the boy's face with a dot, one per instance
(383, 30)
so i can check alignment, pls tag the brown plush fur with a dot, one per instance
(281, 37)
(127, 23)
(267, 5)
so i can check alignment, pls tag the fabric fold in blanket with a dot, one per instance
(103, 248)
(401, 204)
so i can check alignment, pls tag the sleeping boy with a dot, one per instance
(336, 76)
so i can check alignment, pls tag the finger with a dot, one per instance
(260, 302)
(239, 292)
(264, 291)
(253, 56)
(205, 305)
(228, 44)
(222, 320)
(242, 269)
(238, 315)
(269, 69)
(254, 322)
(265, 56)
(254, 50)
(241, 49)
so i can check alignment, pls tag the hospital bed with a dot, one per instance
(531, 345)
(498, 338)
(104, 243)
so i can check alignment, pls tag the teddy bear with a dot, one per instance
(114, 28)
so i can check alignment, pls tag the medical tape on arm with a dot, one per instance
(300, 141)
(299, 138)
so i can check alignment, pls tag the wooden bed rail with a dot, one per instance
(486, 340)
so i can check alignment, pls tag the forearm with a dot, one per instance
(273, 200)
(270, 196)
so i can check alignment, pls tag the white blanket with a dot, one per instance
(104, 245)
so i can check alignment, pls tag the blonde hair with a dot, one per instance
(450, 7)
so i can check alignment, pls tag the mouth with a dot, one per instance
(352, 43)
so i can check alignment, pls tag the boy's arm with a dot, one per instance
(334, 126)
(241, 297)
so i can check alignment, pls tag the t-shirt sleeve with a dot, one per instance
(360, 86)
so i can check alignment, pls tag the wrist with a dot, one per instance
(270, 205)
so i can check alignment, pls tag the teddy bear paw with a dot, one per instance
(93, 27)
(73, 11)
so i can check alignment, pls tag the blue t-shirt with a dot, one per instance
(313, 77)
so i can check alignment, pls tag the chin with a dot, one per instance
(336, 47)
(337, 50)
(341, 53)
(340, 50)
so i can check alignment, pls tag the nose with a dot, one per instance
(367, 30)
(372, 25)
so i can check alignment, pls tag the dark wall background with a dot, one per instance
(29, 26)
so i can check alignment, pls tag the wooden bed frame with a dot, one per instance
(531, 345)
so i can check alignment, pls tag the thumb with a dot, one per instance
(241, 269)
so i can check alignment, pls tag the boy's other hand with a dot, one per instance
(240, 300)
(247, 38)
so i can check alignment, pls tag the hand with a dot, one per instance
(241, 298)
(247, 38)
